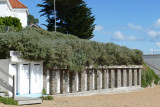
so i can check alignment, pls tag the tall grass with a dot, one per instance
(149, 76)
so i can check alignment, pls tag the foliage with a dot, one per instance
(47, 98)
(44, 92)
(57, 49)
(32, 19)
(149, 76)
(4, 29)
(8, 101)
(11, 21)
(73, 17)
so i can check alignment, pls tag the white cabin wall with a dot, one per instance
(36, 78)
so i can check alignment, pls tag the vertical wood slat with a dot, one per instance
(93, 74)
(14, 86)
(106, 79)
(99, 79)
(86, 85)
(83, 86)
(140, 71)
(91, 79)
(135, 77)
(112, 78)
(118, 78)
(124, 78)
(130, 77)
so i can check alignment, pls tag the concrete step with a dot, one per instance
(28, 100)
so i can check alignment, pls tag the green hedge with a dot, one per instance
(47, 97)
(10, 21)
(8, 101)
(57, 49)
(149, 76)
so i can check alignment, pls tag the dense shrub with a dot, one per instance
(47, 98)
(8, 101)
(44, 92)
(11, 21)
(57, 49)
(4, 29)
(149, 76)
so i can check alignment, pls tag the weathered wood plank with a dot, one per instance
(6, 85)
(7, 74)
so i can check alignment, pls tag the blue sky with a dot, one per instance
(131, 23)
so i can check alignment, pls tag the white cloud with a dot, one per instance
(133, 38)
(157, 23)
(98, 28)
(158, 44)
(134, 26)
(119, 36)
(152, 33)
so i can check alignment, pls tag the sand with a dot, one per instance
(149, 97)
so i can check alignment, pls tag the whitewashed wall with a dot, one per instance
(21, 14)
(5, 10)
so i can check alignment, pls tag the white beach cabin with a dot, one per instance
(29, 74)
(14, 8)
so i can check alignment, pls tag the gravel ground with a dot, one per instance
(149, 97)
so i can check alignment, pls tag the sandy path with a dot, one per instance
(149, 97)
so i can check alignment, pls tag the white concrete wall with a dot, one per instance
(21, 14)
(4, 9)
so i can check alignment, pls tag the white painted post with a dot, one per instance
(68, 82)
(100, 79)
(85, 80)
(58, 81)
(77, 81)
(47, 80)
(18, 79)
(93, 80)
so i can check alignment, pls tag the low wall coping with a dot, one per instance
(101, 67)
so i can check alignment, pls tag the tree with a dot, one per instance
(32, 19)
(11, 22)
(73, 17)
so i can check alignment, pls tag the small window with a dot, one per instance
(25, 64)
(36, 64)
